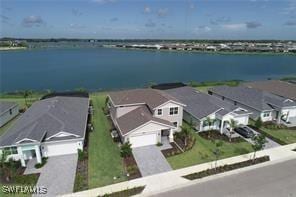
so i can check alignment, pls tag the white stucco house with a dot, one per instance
(50, 127)
(8, 110)
(145, 116)
(267, 106)
(201, 107)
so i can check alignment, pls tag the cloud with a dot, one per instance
(235, 27)
(104, 1)
(202, 28)
(76, 12)
(76, 26)
(192, 6)
(242, 26)
(150, 24)
(290, 23)
(219, 20)
(147, 10)
(253, 24)
(114, 19)
(162, 12)
(33, 21)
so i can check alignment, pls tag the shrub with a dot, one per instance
(258, 123)
(126, 150)
(82, 155)
(159, 144)
(43, 162)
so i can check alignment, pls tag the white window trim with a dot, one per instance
(157, 112)
(173, 111)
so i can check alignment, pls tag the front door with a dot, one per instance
(165, 132)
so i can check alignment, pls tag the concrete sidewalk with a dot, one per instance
(173, 179)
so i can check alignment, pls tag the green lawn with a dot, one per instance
(104, 155)
(286, 135)
(203, 89)
(202, 152)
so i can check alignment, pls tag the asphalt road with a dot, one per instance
(277, 180)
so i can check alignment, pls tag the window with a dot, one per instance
(11, 150)
(266, 114)
(173, 110)
(159, 111)
(175, 124)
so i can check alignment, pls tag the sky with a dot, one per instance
(149, 19)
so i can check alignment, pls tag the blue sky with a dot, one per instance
(164, 19)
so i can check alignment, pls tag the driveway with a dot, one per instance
(269, 144)
(58, 175)
(150, 160)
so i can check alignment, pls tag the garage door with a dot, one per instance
(59, 149)
(143, 140)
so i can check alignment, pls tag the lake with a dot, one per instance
(109, 68)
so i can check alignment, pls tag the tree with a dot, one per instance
(126, 150)
(26, 94)
(5, 166)
(217, 151)
(209, 122)
(232, 124)
(185, 133)
(258, 123)
(259, 142)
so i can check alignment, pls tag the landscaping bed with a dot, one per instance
(226, 168)
(172, 151)
(188, 146)
(277, 140)
(125, 193)
(81, 178)
(131, 167)
(16, 175)
(216, 135)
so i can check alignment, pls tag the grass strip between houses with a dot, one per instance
(125, 193)
(226, 168)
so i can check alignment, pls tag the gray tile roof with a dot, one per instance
(151, 97)
(199, 104)
(281, 88)
(136, 118)
(48, 117)
(256, 99)
(6, 105)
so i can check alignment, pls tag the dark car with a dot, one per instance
(245, 131)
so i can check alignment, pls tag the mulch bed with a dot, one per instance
(126, 193)
(172, 151)
(226, 168)
(81, 179)
(277, 140)
(216, 135)
(175, 150)
(131, 167)
(18, 176)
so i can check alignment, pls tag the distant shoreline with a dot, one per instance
(207, 52)
(12, 48)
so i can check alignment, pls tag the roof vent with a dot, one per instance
(142, 114)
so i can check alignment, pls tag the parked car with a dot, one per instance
(245, 131)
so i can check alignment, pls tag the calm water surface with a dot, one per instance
(106, 68)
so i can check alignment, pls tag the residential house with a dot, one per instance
(208, 112)
(50, 127)
(280, 88)
(8, 110)
(145, 116)
(267, 106)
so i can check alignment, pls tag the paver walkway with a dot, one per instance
(150, 160)
(58, 175)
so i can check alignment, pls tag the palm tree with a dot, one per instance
(26, 94)
(233, 125)
(209, 122)
(186, 133)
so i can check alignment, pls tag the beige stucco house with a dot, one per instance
(145, 116)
